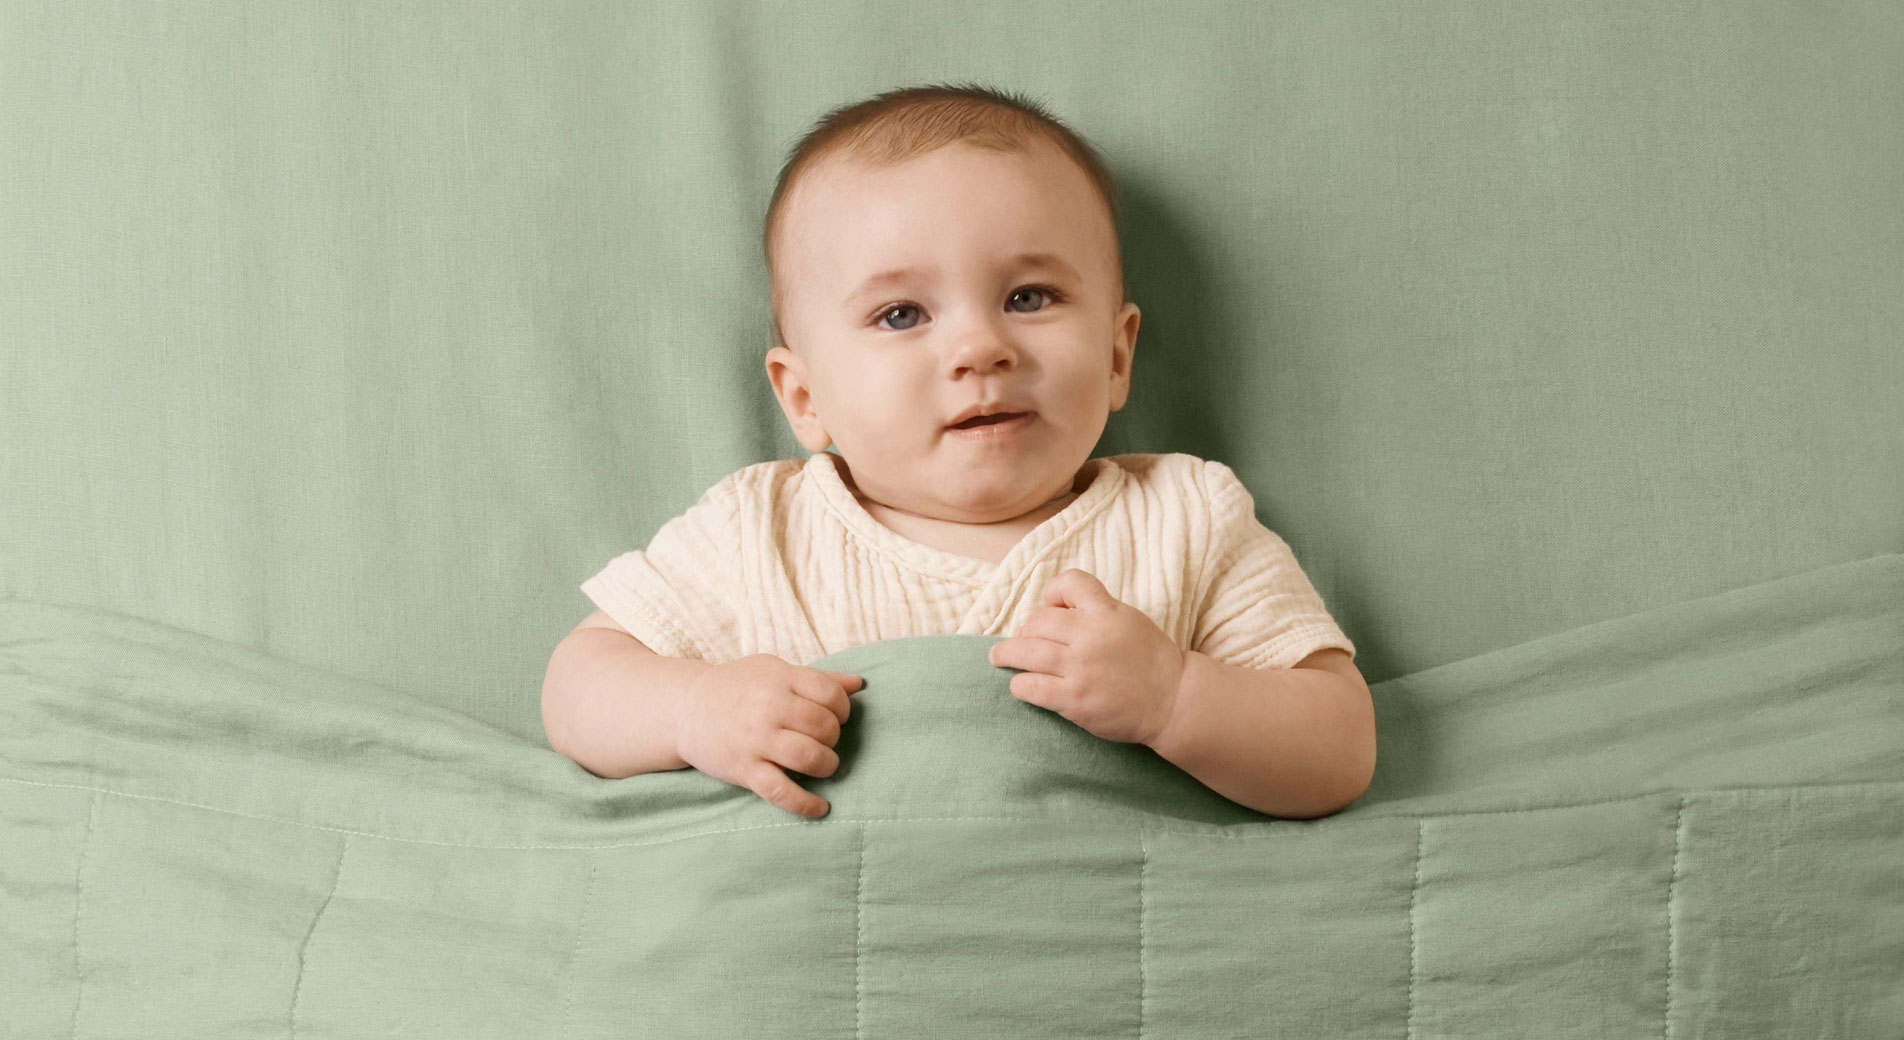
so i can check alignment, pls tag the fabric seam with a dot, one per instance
(304, 948)
(1672, 892)
(1278, 647)
(575, 955)
(79, 903)
(639, 607)
(1414, 944)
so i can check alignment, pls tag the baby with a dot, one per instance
(950, 311)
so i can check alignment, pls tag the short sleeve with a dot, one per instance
(1256, 608)
(678, 596)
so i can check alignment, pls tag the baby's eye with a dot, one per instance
(1046, 291)
(1051, 295)
(896, 310)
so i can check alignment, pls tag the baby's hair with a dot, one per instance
(900, 124)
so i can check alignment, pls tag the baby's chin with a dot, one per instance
(969, 488)
(980, 503)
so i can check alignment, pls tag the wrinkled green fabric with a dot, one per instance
(339, 343)
(1686, 822)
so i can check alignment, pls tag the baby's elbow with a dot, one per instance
(558, 681)
(1357, 776)
(1352, 797)
(1362, 751)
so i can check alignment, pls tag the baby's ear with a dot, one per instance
(782, 374)
(787, 375)
(1123, 352)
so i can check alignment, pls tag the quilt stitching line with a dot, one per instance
(1257, 830)
(1143, 940)
(304, 948)
(1414, 948)
(1672, 891)
(79, 903)
(575, 955)
(859, 938)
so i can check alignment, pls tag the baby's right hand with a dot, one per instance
(741, 720)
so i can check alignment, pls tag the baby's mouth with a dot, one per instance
(987, 420)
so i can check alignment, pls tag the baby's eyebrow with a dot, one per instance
(901, 275)
(881, 280)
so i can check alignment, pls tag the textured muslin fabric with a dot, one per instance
(780, 557)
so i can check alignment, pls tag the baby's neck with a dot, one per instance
(989, 542)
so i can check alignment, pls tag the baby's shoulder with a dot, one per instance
(757, 481)
(761, 476)
(1178, 476)
(723, 507)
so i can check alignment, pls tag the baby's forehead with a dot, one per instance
(831, 194)
(842, 176)
(1034, 260)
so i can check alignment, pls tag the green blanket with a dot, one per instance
(1683, 823)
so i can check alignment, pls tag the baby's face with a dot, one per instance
(908, 299)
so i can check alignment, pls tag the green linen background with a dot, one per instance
(360, 334)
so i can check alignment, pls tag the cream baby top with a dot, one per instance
(779, 557)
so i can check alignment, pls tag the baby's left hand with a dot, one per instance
(1101, 663)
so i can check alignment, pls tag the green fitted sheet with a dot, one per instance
(359, 334)
(1686, 822)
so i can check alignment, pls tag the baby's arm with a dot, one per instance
(1293, 742)
(609, 702)
(618, 708)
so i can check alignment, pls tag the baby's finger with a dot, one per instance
(822, 688)
(851, 683)
(813, 720)
(807, 756)
(791, 749)
(767, 781)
